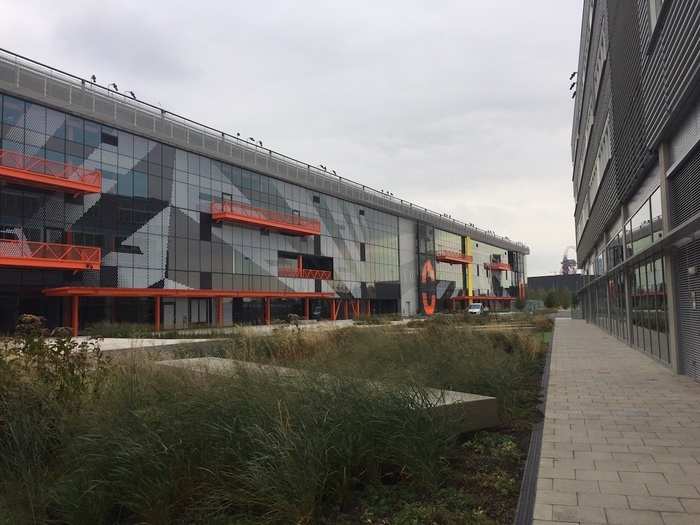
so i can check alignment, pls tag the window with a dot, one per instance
(316, 199)
(110, 139)
(602, 159)
(362, 252)
(204, 226)
(654, 12)
(362, 212)
(657, 223)
(601, 57)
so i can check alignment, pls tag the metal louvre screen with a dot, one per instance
(688, 312)
(685, 191)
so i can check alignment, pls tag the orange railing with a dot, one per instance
(226, 210)
(497, 266)
(30, 254)
(305, 273)
(453, 257)
(20, 168)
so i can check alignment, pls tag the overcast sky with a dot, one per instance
(461, 106)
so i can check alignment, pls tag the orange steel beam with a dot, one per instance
(346, 313)
(306, 308)
(18, 168)
(74, 311)
(369, 307)
(305, 273)
(497, 267)
(157, 313)
(453, 257)
(240, 212)
(92, 291)
(48, 255)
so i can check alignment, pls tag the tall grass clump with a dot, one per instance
(140, 443)
(503, 364)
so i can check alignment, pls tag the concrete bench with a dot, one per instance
(471, 412)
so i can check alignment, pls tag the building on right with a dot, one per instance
(635, 148)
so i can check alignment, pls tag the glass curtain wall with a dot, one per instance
(649, 309)
(450, 276)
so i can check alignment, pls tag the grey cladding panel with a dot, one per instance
(195, 139)
(8, 74)
(125, 115)
(144, 121)
(31, 82)
(104, 108)
(58, 90)
(179, 132)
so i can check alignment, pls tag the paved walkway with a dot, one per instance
(621, 438)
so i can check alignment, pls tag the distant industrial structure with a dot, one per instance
(568, 264)
(571, 282)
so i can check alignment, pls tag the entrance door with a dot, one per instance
(200, 311)
(169, 314)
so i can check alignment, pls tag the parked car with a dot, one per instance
(477, 308)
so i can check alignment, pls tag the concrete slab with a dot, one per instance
(127, 343)
(471, 411)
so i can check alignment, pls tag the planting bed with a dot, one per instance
(86, 440)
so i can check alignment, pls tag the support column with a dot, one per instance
(156, 313)
(334, 315)
(74, 307)
(369, 307)
(346, 312)
(266, 311)
(220, 312)
(670, 280)
(306, 308)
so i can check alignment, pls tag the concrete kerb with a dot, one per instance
(469, 412)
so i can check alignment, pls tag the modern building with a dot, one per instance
(636, 177)
(571, 282)
(112, 209)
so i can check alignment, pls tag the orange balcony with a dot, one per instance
(497, 266)
(47, 255)
(305, 273)
(453, 257)
(241, 213)
(34, 171)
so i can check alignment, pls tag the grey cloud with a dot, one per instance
(400, 95)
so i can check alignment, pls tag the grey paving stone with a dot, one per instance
(626, 426)
(633, 517)
(655, 503)
(614, 501)
(578, 514)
